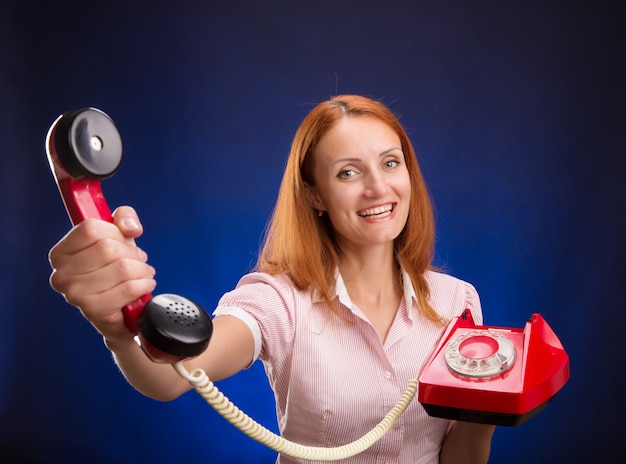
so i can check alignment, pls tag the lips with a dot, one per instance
(376, 212)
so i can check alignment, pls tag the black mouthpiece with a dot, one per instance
(175, 325)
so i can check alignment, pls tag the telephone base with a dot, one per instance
(493, 375)
(483, 417)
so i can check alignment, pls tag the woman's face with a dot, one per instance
(362, 181)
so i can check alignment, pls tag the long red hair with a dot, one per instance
(302, 245)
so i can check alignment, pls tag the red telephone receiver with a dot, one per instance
(84, 147)
(493, 375)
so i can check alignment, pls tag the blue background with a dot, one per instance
(516, 109)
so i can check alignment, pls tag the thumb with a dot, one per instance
(127, 221)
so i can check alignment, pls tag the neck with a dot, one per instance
(373, 275)
(374, 283)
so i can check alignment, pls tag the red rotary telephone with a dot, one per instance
(493, 375)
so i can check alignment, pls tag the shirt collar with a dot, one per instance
(410, 298)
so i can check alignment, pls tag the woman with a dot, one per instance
(343, 307)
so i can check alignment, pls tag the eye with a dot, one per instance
(392, 163)
(346, 174)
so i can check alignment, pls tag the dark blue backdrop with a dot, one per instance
(516, 110)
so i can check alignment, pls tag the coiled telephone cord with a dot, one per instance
(216, 399)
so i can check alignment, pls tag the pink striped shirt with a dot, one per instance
(334, 379)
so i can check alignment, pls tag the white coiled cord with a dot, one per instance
(201, 383)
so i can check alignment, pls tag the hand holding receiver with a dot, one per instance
(84, 147)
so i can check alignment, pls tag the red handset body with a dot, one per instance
(83, 199)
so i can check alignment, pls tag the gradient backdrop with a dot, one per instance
(517, 113)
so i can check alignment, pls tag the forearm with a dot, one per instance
(467, 443)
(230, 350)
(155, 380)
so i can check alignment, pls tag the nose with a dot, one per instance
(375, 184)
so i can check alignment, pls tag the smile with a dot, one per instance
(378, 212)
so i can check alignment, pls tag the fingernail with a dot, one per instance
(142, 255)
(130, 223)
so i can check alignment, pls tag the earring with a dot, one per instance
(320, 213)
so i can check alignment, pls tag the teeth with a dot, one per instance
(375, 211)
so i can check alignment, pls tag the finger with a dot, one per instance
(126, 279)
(84, 235)
(98, 255)
(103, 310)
(92, 244)
(127, 220)
(111, 300)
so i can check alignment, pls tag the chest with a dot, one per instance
(343, 380)
(380, 316)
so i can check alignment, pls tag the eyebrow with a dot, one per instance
(354, 159)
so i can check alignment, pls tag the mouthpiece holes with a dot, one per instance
(174, 325)
(181, 313)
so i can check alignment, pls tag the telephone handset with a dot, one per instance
(84, 147)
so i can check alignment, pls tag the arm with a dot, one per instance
(230, 350)
(98, 269)
(466, 443)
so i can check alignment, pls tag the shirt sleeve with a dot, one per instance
(451, 296)
(266, 305)
(472, 302)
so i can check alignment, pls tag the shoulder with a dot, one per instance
(440, 281)
(451, 295)
(268, 304)
(259, 289)
(280, 281)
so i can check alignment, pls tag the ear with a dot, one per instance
(313, 198)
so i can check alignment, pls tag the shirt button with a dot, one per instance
(387, 374)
